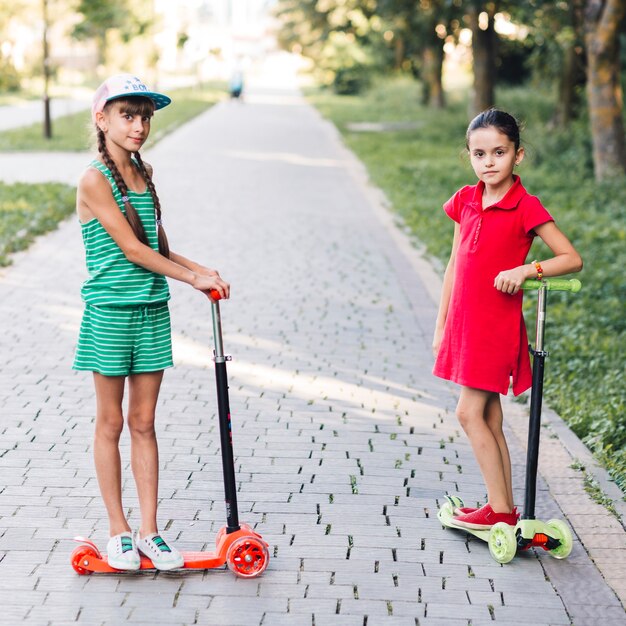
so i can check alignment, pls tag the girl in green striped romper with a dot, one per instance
(125, 331)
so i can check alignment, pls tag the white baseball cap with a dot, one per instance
(125, 86)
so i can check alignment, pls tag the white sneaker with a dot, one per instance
(162, 555)
(122, 552)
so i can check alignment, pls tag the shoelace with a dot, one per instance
(159, 542)
(127, 544)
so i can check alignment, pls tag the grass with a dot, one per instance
(74, 132)
(28, 210)
(420, 169)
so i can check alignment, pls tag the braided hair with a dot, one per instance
(135, 106)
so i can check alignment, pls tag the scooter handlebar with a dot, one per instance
(554, 284)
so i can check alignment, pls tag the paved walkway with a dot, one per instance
(344, 441)
(31, 112)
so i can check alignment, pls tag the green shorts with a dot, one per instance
(124, 340)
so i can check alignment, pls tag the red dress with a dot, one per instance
(484, 341)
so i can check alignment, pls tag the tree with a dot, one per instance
(603, 19)
(337, 35)
(419, 30)
(432, 35)
(100, 16)
(480, 17)
(556, 44)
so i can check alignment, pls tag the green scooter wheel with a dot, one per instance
(561, 532)
(502, 542)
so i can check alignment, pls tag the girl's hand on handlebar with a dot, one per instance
(207, 283)
(510, 281)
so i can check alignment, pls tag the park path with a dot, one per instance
(31, 111)
(344, 441)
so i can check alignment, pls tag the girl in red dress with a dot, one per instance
(480, 338)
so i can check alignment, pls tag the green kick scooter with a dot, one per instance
(553, 536)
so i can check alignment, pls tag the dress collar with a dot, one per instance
(510, 200)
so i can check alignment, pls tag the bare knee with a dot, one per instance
(109, 425)
(141, 426)
(466, 416)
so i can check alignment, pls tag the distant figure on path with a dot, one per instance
(235, 85)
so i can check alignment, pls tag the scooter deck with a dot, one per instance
(244, 551)
(504, 541)
(193, 560)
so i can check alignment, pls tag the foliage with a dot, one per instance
(338, 36)
(9, 76)
(586, 333)
(74, 132)
(28, 210)
(98, 16)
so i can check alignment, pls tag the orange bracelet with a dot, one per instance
(539, 269)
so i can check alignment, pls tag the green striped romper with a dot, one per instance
(126, 324)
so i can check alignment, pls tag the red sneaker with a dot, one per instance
(463, 510)
(484, 518)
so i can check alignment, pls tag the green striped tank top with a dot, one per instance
(113, 279)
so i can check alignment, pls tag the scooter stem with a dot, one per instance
(536, 396)
(223, 406)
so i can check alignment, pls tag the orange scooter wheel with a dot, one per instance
(78, 555)
(247, 557)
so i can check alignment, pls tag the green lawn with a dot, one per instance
(420, 169)
(28, 210)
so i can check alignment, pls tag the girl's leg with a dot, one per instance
(109, 425)
(144, 392)
(472, 414)
(494, 418)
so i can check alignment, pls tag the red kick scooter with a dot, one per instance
(236, 545)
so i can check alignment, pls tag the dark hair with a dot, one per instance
(144, 107)
(500, 120)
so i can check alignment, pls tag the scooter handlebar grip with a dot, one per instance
(554, 284)
(215, 294)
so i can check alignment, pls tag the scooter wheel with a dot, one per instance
(447, 509)
(502, 542)
(78, 555)
(247, 557)
(561, 532)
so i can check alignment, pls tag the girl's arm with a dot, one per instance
(192, 265)
(565, 261)
(95, 200)
(446, 292)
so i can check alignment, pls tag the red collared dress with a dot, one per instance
(484, 342)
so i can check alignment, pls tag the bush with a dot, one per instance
(351, 80)
(9, 77)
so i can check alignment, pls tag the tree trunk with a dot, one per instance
(567, 88)
(484, 43)
(399, 52)
(604, 90)
(572, 74)
(432, 64)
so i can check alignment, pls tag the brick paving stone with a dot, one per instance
(344, 442)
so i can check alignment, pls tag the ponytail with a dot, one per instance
(131, 213)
